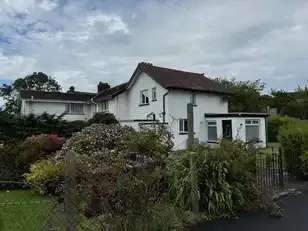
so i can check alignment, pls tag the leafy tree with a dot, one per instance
(246, 95)
(38, 81)
(294, 104)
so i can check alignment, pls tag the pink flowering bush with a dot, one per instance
(37, 147)
(47, 142)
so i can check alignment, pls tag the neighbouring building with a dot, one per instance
(156, 95)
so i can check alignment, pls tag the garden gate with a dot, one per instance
(274, 169)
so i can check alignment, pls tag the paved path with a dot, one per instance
(295, 219)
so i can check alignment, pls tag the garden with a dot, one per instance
(90, 176)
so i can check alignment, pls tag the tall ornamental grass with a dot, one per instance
(218, 182)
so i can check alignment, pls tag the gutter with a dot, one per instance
(164, 107)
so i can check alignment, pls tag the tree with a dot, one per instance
(294, 104)
(246, 95)
(38, 81)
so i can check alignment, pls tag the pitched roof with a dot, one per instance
(172, 78)
(69, 96)
(110, 93)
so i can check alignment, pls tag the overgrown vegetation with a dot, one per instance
(293, 104)
(218, 182)
(293, 138)
(46, 177)
(244, 92)
(16, 157)
(118, 167)
(20, 127)
(102, 118)
(275, 123)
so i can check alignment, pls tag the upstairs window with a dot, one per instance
(154, 96)
(144, 97)
(252, 128)
(74, 108)
(183, 126)
(212, 131)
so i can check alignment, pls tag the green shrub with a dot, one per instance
(113, 174)
(304, 159)
(275, 123)
(16, 157)
(153, 144)
(45, 176)
(218, 181)
(294, 141)
(103, 118)
(20, 127)
(8, 154)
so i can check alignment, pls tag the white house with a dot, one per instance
(74, 105)
(156, 95)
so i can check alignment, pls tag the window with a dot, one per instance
(67, 108)
(154, 97)
(212, 131)
(74, 108)
(144, 97)
(105, 105)
(193, 99)
(252, 128)
(183, 126)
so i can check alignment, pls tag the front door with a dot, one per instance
(227, 129)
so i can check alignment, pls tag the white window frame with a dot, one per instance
(154, 94)
(252, 123)
(211, 124)
(144, 97)
(105, 106)
(182, 124)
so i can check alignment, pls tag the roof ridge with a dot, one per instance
(62, 92)
(171, 69)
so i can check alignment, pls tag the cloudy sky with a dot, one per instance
(81, 42)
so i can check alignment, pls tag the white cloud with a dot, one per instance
(47, 5)
(113, 22)
(82, 42)
(16, 66)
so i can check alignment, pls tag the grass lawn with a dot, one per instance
(23, 210)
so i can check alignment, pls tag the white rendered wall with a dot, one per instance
(135, 111)
(54, 108)
(238, 128)
(177, 109)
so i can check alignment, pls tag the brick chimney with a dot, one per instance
(102, 87)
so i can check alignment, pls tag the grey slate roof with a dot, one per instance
(166, 77)
(69, 96)
(110, 93)
(177, 79)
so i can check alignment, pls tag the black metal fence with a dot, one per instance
(272, 169)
